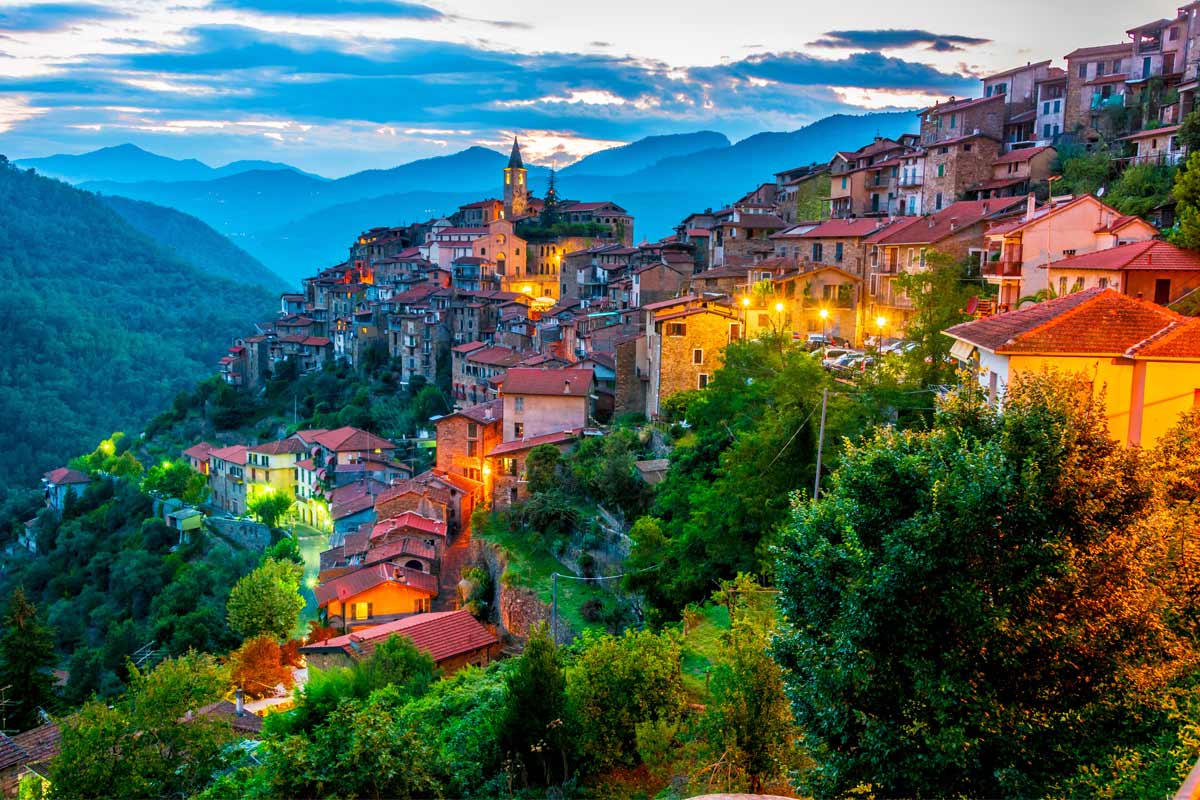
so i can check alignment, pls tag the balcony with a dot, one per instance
(912, 180)
(1002, 269)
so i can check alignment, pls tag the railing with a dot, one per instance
(912, 180)
(1170, 158)
(1002, 269)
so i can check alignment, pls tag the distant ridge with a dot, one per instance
(129, 163)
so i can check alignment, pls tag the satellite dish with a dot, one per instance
(1100, 191)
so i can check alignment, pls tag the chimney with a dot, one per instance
(1030, 205)
(953, 223)
(985, 208)
(566, 387)
(241, 702)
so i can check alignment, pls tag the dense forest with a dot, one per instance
(195, 242)
(100, 325)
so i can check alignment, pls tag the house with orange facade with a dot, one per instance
(1019, 249)
(375, 594)
(464, 438)
(1143, 359)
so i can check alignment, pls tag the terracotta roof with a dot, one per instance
(235, 454)
(758, 221)
(64, 476)
(959, 105)
(1024, 116)
(408, 545)
(527, 444)
(1120, 77)
(1151, 256)
(1165, 130)
(1181, 340)
(346, 439)
(469, 347)
(565, 382)
(496, 356)
(288, 445)
(408, 520)
(996, 183)
(223, 709)
(355, 583)
(199, 451)
(441, 634)
(34, 746)
(485, 413)
(1125, 48)
(849, 227)
(1024, 154)
(477, 231)
(1092, 322)
(1118, 223)
(950, 220)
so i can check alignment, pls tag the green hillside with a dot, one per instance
(195, 242)
(100, 325)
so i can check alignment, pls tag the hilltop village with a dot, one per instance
(545, 324)
(543, 318)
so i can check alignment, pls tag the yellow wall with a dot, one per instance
(1170, 390)
(1114, 379)
(387, 598)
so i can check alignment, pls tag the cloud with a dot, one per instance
(864, 70)
(336, 8)
(896, 39)
(47, 17)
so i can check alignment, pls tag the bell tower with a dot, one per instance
(516, 192)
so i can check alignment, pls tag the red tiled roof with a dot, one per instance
(469, 347)
(566, 382)
(408, 545)
(1152, 255)
(959, 105)
(34, 746)
(996, 183)
(1120, 77)
(199, 451)
(950, 220)
(758, 221)
(1125, 48)
(288, 445)
(235, 454)
(223, 709)
(1165, 130)
(1092, 322)
(496, 356)
(1118, 223)
(485, 413)
(843, 228)
(1181, 340)
(441, 634)
(527, 444)
(1024, 154)
(345, 587)
(409, 520)
(64, 476)
(348, 439)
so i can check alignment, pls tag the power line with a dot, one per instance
(554, 576)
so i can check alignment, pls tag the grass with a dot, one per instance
(701, 647)
(530, 565)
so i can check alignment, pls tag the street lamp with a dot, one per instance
(824, 315)
(880, 323)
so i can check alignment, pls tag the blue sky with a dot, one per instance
(335, 86)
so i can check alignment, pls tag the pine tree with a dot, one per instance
(26, 657)
(550, 216)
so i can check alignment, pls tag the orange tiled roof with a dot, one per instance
(1151, 255)
(567, 382)
(441, 634)
(1181, 340)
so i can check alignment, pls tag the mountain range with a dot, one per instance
(294, 222)
(130, 163)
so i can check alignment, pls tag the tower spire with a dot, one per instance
(514, 160)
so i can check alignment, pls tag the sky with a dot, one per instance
(336, 86)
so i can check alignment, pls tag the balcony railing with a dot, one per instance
(1002, 269)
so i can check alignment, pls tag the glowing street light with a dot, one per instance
(746, 302)
(824, 315)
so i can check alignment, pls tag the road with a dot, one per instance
(312, 542)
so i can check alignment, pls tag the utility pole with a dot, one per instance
(820, 442)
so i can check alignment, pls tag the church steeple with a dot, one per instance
(516, 191)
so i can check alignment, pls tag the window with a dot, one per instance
(1046, 107)
(518, 404)
(676, 329)
(472, 448)
(360, 611)
(1062, 285)
(943, 151)
(1099, 69)
(837, 252)
(1082, 70)
(473, 429)
(735, 331)
(1057, 106)
(843, 181)
(1173, 34)
(1046, 131)
(817, 253)
(519, 430)
(941, 170)
(967, 147)
(1103, 283)
(697, 356)
(937, 202)
(702, 380)
(953, 121)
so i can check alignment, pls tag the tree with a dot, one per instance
(617, 682)
(150, 743)
(396, 662)
(176, 479)
(940, 294)
(1187, 204)
(534, 716)
(286, 549)
(26, 658)
(270, 506)
(1086, 172)
(1189, 133)
(541, 468)
(267, 601)
(257, 667)
(1142, 188)
(945, 638)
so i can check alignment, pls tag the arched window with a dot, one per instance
(414, 564)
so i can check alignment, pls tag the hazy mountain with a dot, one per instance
(101, 325)
(196, 243)
(128, 163)
(644, 153)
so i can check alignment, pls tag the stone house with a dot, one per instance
(952, 166)
(1095, 82)
(464, 438)
(955, 119)
(1015, 173)
(685, 343)
(842, 243)
(741, 237)
(227, 478)
(61, 483)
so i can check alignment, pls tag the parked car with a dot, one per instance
(828, 355)
(899, 348)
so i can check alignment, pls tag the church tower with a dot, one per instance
(516, 191)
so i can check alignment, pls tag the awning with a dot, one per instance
(962, 350)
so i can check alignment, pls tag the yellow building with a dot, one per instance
(1144, 358)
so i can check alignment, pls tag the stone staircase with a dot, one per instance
(456, 558)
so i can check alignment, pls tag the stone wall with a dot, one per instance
(242, 532)
(517, 608)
